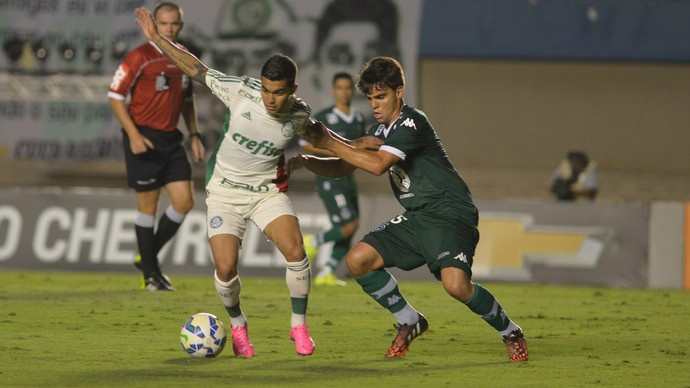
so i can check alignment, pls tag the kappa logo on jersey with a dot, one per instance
(331, 118)
(247, 115)
(409, 123)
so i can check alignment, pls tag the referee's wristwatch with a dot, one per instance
(196, 134)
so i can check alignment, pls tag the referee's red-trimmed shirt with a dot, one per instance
(158, 87)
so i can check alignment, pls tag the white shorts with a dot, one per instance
(228, 213)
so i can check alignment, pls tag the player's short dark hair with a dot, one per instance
(168, 6)
(279, 67)
(343, 75)
(379, 73)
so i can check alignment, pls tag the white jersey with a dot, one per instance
(249, 155)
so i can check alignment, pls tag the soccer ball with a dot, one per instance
(203, 335)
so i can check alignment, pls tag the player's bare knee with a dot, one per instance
(294, 252)
(359, 262)
(184, 206)
(459, 288)
(225, 271)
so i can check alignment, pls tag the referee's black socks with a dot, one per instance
(146, 242)
(167, 227)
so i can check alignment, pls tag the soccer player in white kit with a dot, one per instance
(246, 179)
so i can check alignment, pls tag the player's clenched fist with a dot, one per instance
(295, 163)
(317, 134)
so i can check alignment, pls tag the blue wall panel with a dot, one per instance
(636, 30)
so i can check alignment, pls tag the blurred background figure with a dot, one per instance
(575, 178)
(339, 196)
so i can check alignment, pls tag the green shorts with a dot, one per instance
(339, 196)
(439, 240)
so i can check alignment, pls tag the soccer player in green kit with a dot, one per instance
(439, 225)
(339, 196)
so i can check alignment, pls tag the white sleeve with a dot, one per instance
(225, 87)
(394, 151)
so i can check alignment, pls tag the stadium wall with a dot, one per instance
(525, 115)
(617, 245)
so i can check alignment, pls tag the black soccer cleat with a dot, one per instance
(517, 346)
(406, 333)
(156, 283)
(163, 277)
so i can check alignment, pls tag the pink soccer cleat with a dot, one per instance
(304, 345)
(241, 344)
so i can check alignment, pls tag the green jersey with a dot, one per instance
(424, 178)
(348, 126)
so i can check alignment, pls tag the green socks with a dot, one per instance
(383, 288)
(486, 306)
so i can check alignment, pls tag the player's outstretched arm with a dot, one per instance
(373, 162)
(328, 167)
(188, 63)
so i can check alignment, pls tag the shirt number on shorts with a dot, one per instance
(398, 219)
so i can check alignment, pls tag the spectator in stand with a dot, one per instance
(575, 178)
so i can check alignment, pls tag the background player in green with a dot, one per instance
(439, 225)
(339, 196)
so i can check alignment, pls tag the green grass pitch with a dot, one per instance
(98, 330)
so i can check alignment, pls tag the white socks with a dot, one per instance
(298, 279)
(229, 293)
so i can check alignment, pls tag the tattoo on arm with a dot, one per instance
(187, 62)
(200, 75)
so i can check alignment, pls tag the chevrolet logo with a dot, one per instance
(511, 243)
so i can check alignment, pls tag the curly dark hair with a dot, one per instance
(379, 73)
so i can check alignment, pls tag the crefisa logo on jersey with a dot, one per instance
(216, 222)
(288, 129)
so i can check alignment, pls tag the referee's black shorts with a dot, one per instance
(155, 168)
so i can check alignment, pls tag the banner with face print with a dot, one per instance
(61, 50)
